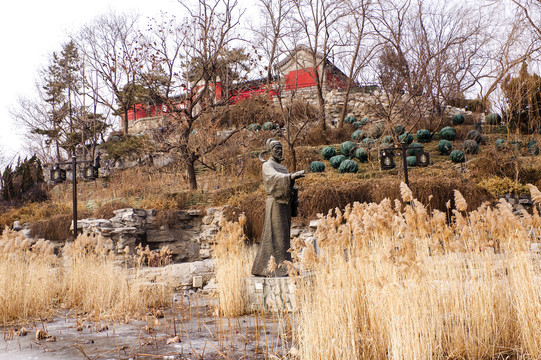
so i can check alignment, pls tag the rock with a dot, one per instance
(173, 340)
(22, 332)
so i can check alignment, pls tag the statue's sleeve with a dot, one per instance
(276, 183)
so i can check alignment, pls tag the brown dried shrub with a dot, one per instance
(57, 227)
(106, 211)
(256, 109)
(320, 197)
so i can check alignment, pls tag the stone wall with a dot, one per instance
(190, 238)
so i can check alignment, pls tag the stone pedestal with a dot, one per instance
(272, 294)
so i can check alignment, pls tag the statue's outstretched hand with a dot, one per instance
(297, 175)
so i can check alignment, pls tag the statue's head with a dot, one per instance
(274, 147)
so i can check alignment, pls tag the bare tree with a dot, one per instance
(357, 33)
(191, 64)
(110, 49)
(316, 25)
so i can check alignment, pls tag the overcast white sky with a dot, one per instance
(30, 31)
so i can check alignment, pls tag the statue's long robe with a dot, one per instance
(276, 230)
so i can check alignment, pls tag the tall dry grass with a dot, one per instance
(397, 281)
(234, 259)
(35, 283)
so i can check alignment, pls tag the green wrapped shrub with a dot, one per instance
(337, 160)
(493, 119)
(471, 146)
(448, 133)
(516, 145)
(357, 124)
(399, 129)
(475, 135)
(362, 155)
(458, 119)
(533, 148)
(364, 121)
(269, 125)
(423, 136)
(347, 148)
(348, 166)
(501, 144)
(414, 151)
(317, 166)
(406, 137)
(445, 147)
(254, 127)
(387, 139)
(457, 156)
(328, 152)
(357, 134)
(368, 142)
(350, 119)
(411, 160)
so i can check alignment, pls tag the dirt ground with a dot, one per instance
(189, 329)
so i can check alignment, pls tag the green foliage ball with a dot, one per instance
(493, 119)
(357, 134)
(328, 152)
(317, 166)
(448, 133)
(337, 160)
(533, 148)
(475, 135)
(501, 144)
(445, 147)
(387, 139)
(414, 151)
(471, 146)
(362, 155)
(411, 160)
(457, 156)
(364, 121)
(423, 136)
(269, 125)
(254, 127)
(350, 119)
(347, 148)
(368, 142)
(406, 137)
(357, 124)
(399, 129)
(348, 166)
(458, 119)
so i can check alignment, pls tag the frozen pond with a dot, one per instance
(188, 330)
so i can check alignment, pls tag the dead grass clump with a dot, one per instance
(233, 261)
(56, 227)
(492, 162)
(106, 211)
(253, 207)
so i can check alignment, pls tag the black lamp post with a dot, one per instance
(59, 175)
(387, 158)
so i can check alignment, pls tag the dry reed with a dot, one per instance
(233, 261)
(35, 283)
(395, 281)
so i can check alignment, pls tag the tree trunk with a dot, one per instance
(190, 173)
(125, 124)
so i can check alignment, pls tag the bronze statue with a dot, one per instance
(281, 203)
